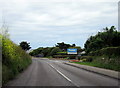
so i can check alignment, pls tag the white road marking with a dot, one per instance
(63, 75)
(60, 73)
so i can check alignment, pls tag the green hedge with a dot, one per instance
(109, 51)
(14, 60)
(107, 62)
(88, 58)
(61, 53)
(65, 56)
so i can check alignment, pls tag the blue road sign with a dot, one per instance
(71, 51)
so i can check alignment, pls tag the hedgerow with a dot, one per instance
(108, 51)
(14, 59)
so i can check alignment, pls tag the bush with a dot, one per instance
(109, 51)
(62, 53)
(54, 51)
(86, 58)
(65, 56)
(110, 37)
(14, 59)
(108, 63)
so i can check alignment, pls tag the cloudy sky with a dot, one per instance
(47, 22)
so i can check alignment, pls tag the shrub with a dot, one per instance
(109, 51)
(14, 59)
(55, 50)
(108, 63)
(65, 56)
(86, 58)
(62, 53)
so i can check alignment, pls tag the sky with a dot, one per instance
(43, 23)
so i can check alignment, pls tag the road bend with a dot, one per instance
(45, 72)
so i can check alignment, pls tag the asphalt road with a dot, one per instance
(45, 72)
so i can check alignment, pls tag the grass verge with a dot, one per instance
(100, 65)
(14, 60)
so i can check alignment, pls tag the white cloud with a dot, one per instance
(50, 19)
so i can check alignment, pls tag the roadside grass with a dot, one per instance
(85, 63)
(101, 65)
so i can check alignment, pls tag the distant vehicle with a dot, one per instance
(39, 55)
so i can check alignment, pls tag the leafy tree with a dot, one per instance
(55, 50)
(25, 46)
(73, 45)
(4, 30)
(107, 38)
(63, 46)
(45, 51)
(36, 51)
(49, 51)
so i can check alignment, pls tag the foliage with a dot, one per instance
(86, 58)
(55, 50)
(36, 51)
(77, 47)
(108, 51)
(101, 65)
(25, 46)
(4, 30)
(61, 53)
(46, 51)
(14, 59)
(105, 60)
(60, 49)
(63, 46)
(107, 38)
(65, 56)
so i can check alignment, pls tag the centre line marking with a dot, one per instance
(60, 73)
(63, 75)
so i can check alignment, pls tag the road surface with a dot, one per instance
(45, 72)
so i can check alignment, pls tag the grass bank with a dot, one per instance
(102, 63)
(108, 58)
(14, 59)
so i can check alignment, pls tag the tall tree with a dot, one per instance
(73, 45)
(55, 50)
(108, 38)
(25, 46)
(63, 46)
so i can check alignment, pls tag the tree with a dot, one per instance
(45, 51)
(25, 46)
(73, 45)
(55, 50)
(4, 29)
(108, 38)
(36, 51)
(63, 46)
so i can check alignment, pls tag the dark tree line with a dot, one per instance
(50, 51)
(110, 37)
(63, 46)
